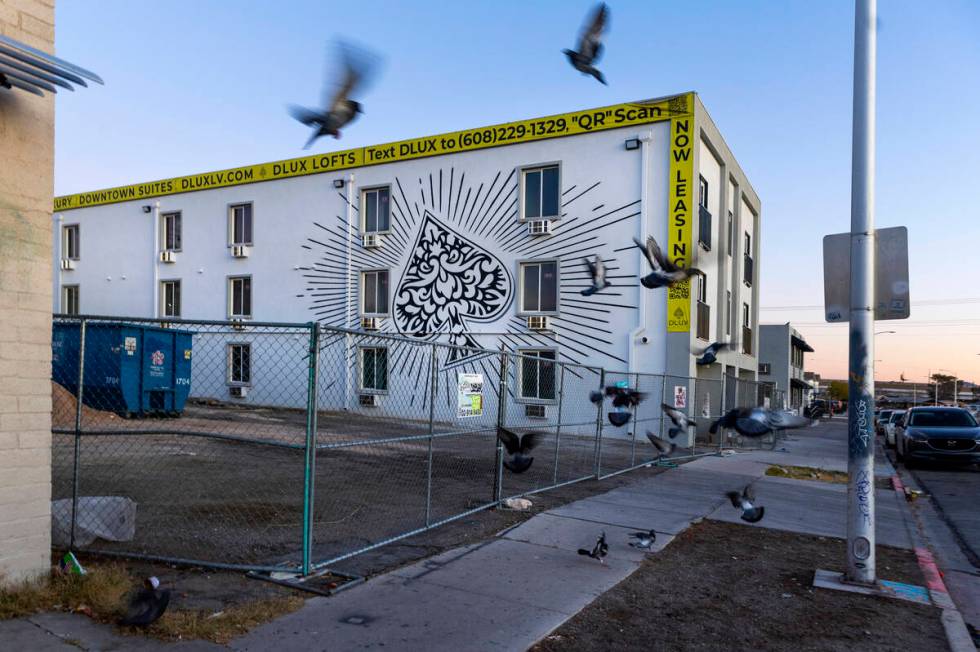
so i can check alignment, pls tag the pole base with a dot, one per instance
(825, 579)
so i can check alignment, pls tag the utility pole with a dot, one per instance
(860, 439)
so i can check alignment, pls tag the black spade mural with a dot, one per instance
(447, 282)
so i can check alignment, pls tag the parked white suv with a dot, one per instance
(893, 419)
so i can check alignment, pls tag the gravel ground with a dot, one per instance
(728, 587)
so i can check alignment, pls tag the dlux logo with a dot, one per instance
(157, 358)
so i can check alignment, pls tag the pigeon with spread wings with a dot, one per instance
(744, 501)
(758, 421)
(664, 272)
(597, 276)
(339, 108)
(518, 447)
(679, 418)
(590, 44)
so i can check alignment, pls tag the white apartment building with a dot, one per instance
(474, 238)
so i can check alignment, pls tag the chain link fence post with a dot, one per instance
(663, 400)
(636, 408)
(433, 366)
(561, 397)
(598, 426)
(498, 477)
(309, 470)
(76, 462)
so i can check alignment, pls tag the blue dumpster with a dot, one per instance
(129, 369)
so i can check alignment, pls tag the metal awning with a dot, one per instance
(800, 342)
(800, 383)
(34, 71)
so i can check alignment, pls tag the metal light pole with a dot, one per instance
(860, 429)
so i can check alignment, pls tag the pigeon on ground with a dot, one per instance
(597, 273)
(679, 418)
(709, 355)
(339, 109)
(758, 421)
(625, 397)
(147, 605)
(665, 273)
(643, 540)
(590, 44)
(744, 502)
(518, 446)
(599, 550)
(663, 447)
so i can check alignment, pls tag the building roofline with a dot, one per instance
(585, 121)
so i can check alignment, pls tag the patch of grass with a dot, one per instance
(220, 627)
(807, 473)
(101, 592)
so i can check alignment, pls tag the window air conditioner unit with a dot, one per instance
(539, 227)
(539, 323)
(238, 391)
(67, 264)
(372, 240)
(238, 324)
(240, 251)
(535, 411)
(168, 256)
(370, 323)
(367, 400)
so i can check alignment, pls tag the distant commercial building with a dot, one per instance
(474, 238)
(781, 361)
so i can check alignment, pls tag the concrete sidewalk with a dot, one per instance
(511, 591)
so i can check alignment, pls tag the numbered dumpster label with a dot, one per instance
(130, 345)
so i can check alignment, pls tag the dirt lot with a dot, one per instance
(728, 587)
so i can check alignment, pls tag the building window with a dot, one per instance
(240, 224)
(374, 292)
(538, 374)
(374, 369)
(746, 330)
(702, 192)
(170, 226)
(69, 299)
(749, 266)
(239, 364)
(541, 188)
(376, 210)
(748, 244)
(746, 316)
(240, 297)
(70, 242)
(170, 298)
(797, 357)
(729, 314)
(703, 309)
(765, 368)
(731, 233)
(539, 287)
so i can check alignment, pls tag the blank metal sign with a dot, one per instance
(891, 275)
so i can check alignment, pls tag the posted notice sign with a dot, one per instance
(680, 396)
(469, 399)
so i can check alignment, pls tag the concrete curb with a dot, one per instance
(957, 635)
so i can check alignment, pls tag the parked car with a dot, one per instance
(880, 421)
(945, 434)
(890, 425)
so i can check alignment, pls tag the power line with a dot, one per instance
(926, 302)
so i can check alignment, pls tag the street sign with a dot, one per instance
(891, 275)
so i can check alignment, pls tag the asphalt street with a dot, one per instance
(955, 491)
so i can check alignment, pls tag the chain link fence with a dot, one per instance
(291, 447)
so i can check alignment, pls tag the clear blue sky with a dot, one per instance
(197, 86)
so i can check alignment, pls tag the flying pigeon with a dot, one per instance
(902, 376)
(599, 550)
(590, 44)
(619, 418)
(596, 397)
(597, 272)
(680, 419)
(339, 109)
(518, 446)
(147, 605)
(643, 539)
(665, 273)
(709, 355)
(757, 421)
(744, 502)
(624, 396)
(663, 447)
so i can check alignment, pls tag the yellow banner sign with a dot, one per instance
(556, 126)
(679, 219)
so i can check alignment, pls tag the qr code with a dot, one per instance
(680, 291)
